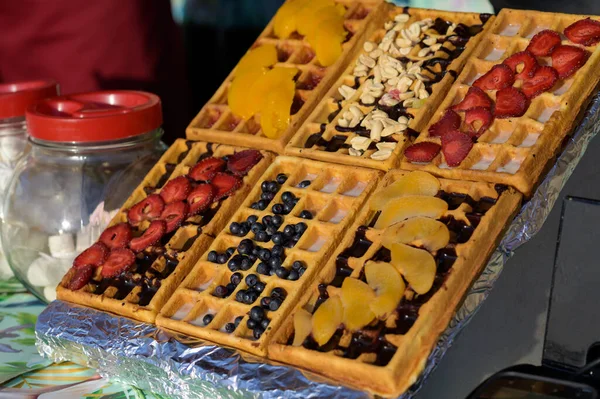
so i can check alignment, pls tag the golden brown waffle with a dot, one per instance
(395, 350)
(216, 123)
(142, 294)
(335, 144)
(516, 151)
(334, 198)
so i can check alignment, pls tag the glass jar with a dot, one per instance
(15, 98)
(88, 153)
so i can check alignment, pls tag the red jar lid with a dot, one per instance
(94, 117)
(16, 97)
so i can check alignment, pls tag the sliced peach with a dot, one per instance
(278, 78)
(399, 209)
(284, 22)
(302, 326)
(356, 296)
(240, 91)
(307, 18)
(388, 285)
(257, 58)
(275, 116)
(327, 319)
(416, 265)
(418, 231)
(413, 183)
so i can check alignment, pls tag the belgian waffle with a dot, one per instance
(517, 151)
(324, 138)
(159, 270)
(333, 197)
(216, 122)
(387, 356)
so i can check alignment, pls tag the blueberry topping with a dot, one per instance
(274, 262)
(262, 205)
(222, 258)
(246, 263)
(256, 227)
(230, 288)
(276, 221)
(277, 209)
(306, 214)
(271, 230)
(304, 183)
(251, 280)
(294, 275)
(234, 263)
(229, 328)
(278, 292)
(230, 251)
(212, 256)
(236, 278)
(259, 287)
(282, 272)
(252, 297)
(264, 323)
(235, 228)
(272, 186)
(277, 251)
(289, 230)
(277, 238)
(245, 248)
(238, 320)
(257, 313)
(257, 332)
(221, 291)
(275, 304)
(267, 220)
(264, 254)
(261, 236)
(281, 178)
(301, 271)
(246, 297)
(239, 296)
(267, 196)
(207, 319)
(287, 208)
(264, 302)
(300, 227)
(256, 206)
(272, 271)
(262, 268)
(251, 324)
(287, 197)
(252, 219)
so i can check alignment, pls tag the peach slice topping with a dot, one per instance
(419, 231)
(302, 326)
(388, 285)
(356, 297)
(416, 265)
(327, 319)
(414, 183)
(399, 209)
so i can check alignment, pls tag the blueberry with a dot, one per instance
(276, 221)
(289, 243)
(294, 275)
(212, 256)
(262, 205)
(277, 251)
(236, 278)
(229, 328)
(267, 220)
(256, 206)
(246, 263)
(271, 230)
(235, 228)
(277, 209)
(257, 313)
(273, 186)
(262, 268)
(246, 297)
(275, 304)
(278, 292)
(274, 262)
(264, 323)
(251, 280)
(304, 183)
(238, 320)
(230, 251)
(252, 297)
(222, 258)
(264, 186)
(267, 196)
(272, 271)
(252, 258)
(247, 241)
(306, 214)
(234, 263)
(220, 291)
(251, 323)
(287, 197)
(244, 229)
(230, 288)
(287, 208)
(244, 248)
(264, 302)
(261, 236)
(289, 230)
(301, 271)
(259, 287)
(277, 238)
(297, 265)
(282, 272)
(257, 332)
(300, 227)
(252, 219)
(281, 178)
(207, 319)
(297, 237)
(239, 296)
(264, 254)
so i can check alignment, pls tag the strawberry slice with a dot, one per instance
(475, 98)
(200, 198)
(481, 115)
(510, 102)
(499, 77)
(225, 185)
(585, 31)
(147, 209)
(523, 64)
(424, 151)
(81, 277)
(456, 146)
(151, 236)
(542, 44)
(94, 256)
(174, 214)
(568, 59)
(241, 162)
(117, 236)
(544, 79)
(176, 189)
(117, 262)
(206, 169)
(449, 121)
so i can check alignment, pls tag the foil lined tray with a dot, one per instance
(142, 355)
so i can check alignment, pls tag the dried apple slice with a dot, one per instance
(388, 285)
(356, 296)
(414, 183)
(327, 319)
(419, 231)
(399, 209)
(416, 265)
(302, 326)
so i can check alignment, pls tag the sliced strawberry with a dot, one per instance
(117, 262)
(542, 44)
(147, 209)
(449, 121)
(174, 214)
(424, 151)
(176, 189)
(510, 102)
(241, 162)
(225, 185)
(456, 146)
(81, 277)
(117, 236)
(544, 79)
(585, 31)
(481, 115)
(200, 198)
(151, 236)
(475, 98)
(499, 77)
(523, 64)
(568, 59)
(94, 256)
(206, 169)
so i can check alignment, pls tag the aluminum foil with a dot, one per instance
(142, 355)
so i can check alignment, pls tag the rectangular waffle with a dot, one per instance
(334, 197)
(389, 368)
(216, 123)
(159, 272)
(322, 138)
(517, 151)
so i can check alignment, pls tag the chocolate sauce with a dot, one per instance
(394, 112)
(331, 145)
(356, 82)
(484, 17)
(169, 168)
(500, 188)
(357, 249)
(374, 220)
(460, 232)
(184, 154)
(296, 105)
(323, 295)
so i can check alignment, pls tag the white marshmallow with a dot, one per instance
(61, 246)
(50, 293)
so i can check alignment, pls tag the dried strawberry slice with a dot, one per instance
(117, 236)
(241, 162)
(510, 102)
(147, 209)
(523, 64)
(449, 121)
(200, 198)
(117, 262)
(94, 256)
(81, 277)
(424, 151)
(568, 59)
(176, 189)
(585, 31)
(206, 169)
(475, 98)
(499, 77)
(544, 79)
(151, 236)
(225, 185)
(456, 146)
(174, 214)
(481, 115)
(542, 44)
